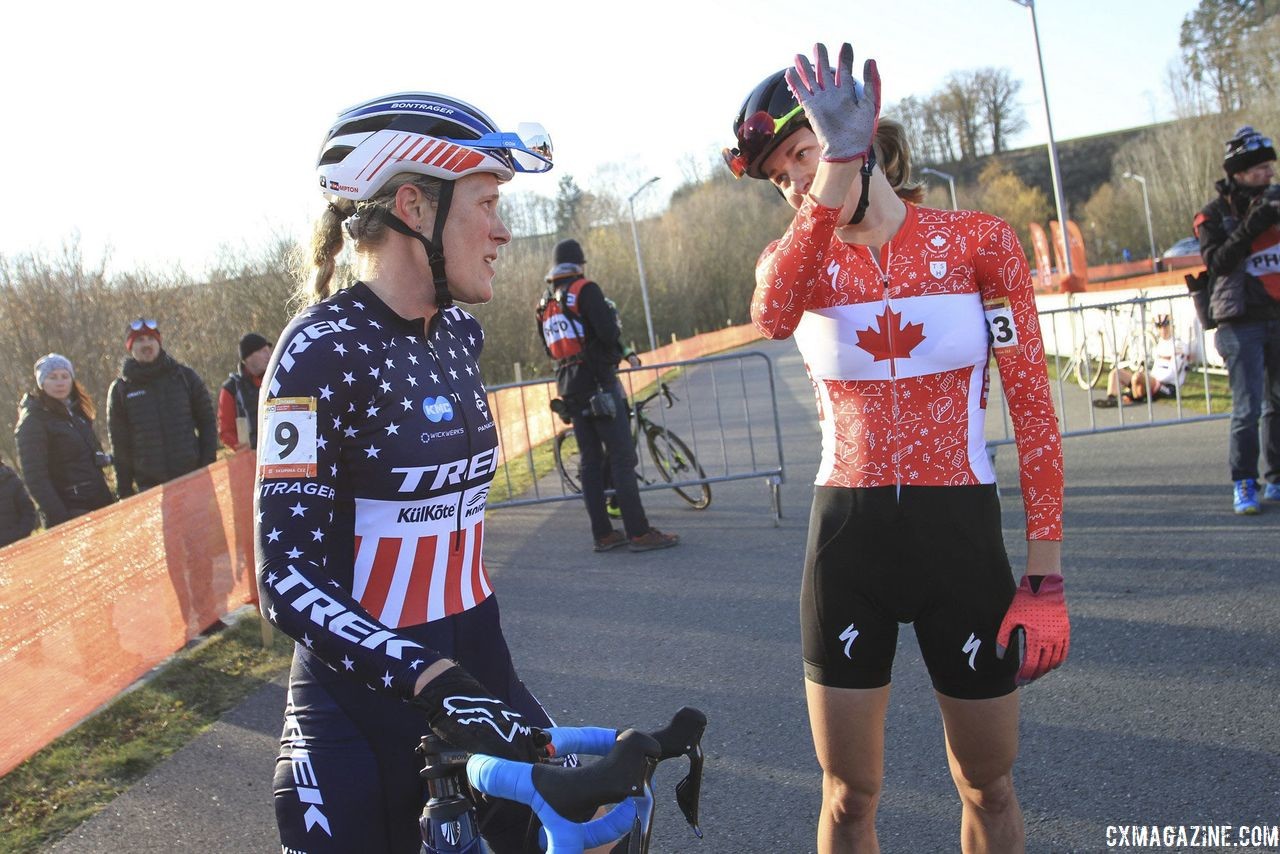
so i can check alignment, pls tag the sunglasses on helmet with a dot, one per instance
(528, 149)
(753, 137)
(1251, 143)
(143, 323)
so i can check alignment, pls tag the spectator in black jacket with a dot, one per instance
(17, 513)
(238, 400)
(581, 333)
(159, 415)
(59, 452)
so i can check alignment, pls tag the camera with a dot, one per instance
(602, 405)
(101, 459)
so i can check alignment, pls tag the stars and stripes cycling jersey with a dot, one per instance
(375, 455)
(897, 345)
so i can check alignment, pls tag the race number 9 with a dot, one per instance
(1000, 329)
(290, 433)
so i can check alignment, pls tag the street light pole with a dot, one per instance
(1146, 206)
(635, 235)
(951, 182)
(1053, 147)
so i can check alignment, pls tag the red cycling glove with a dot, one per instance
(1039, 614)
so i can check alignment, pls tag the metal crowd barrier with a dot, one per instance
(721, 412)
(1085, 341)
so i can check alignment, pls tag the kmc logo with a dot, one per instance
(437, 409)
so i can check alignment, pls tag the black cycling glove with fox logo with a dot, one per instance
(462, 712)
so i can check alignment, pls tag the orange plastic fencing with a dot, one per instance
(89, 606)
(524, 413)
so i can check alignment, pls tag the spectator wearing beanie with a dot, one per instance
(581, 332)
(58, 450)
(238, 400)
(1239, 232)
(159, 414)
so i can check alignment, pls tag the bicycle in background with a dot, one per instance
(563, 798)
(671, 456)
(1124, 339)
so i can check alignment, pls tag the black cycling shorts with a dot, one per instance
(932, 556)
(347, 775)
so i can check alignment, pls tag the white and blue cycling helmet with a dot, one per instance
(426, 134)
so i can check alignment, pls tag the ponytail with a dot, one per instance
(357, 220)
(894, 156)
(326, 243)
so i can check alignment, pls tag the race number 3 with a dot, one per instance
(288, 443)
(1000, 329)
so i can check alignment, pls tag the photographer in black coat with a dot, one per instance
(1239, 233)
(60, 455)
(159, 415)
(580, 331)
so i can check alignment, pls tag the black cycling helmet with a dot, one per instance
(768, 116)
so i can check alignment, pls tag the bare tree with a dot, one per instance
(1001, 113)
(1214, 40)
(960, 101)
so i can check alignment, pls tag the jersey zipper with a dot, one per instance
(893, 369)
(455, 540)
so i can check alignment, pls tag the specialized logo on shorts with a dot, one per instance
(437, 409)
(971, 647)
(486, 711)
(849, 635)
(833, 270)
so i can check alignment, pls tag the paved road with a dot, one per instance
(1165, 714)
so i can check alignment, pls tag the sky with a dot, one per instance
(163, 134)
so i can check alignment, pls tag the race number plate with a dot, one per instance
(1000, 329)
(288, 445)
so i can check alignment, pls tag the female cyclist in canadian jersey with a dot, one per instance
(376, 451)
(897, 310)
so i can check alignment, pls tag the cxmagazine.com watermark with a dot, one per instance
(1181, 836)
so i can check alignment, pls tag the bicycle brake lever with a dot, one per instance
(689, 789)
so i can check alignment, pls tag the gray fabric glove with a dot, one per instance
(842, 111)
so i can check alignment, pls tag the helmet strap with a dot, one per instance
(868, 166)
(433, 247)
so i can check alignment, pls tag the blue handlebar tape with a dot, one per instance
(590, 740)
(502, 778)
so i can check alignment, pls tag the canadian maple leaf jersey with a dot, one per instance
(898, 348)
(375, 455)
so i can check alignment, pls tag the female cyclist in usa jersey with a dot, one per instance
(376, 452)
(897, 311)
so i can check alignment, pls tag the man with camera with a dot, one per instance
(580, 331)
(1239, 234)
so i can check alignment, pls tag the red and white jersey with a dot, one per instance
(898, 349)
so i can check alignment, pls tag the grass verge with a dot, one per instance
(1193, 397)
(67, 782)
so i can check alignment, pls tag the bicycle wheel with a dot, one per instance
(567, 459)
(1089, 365)
(676, 462)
